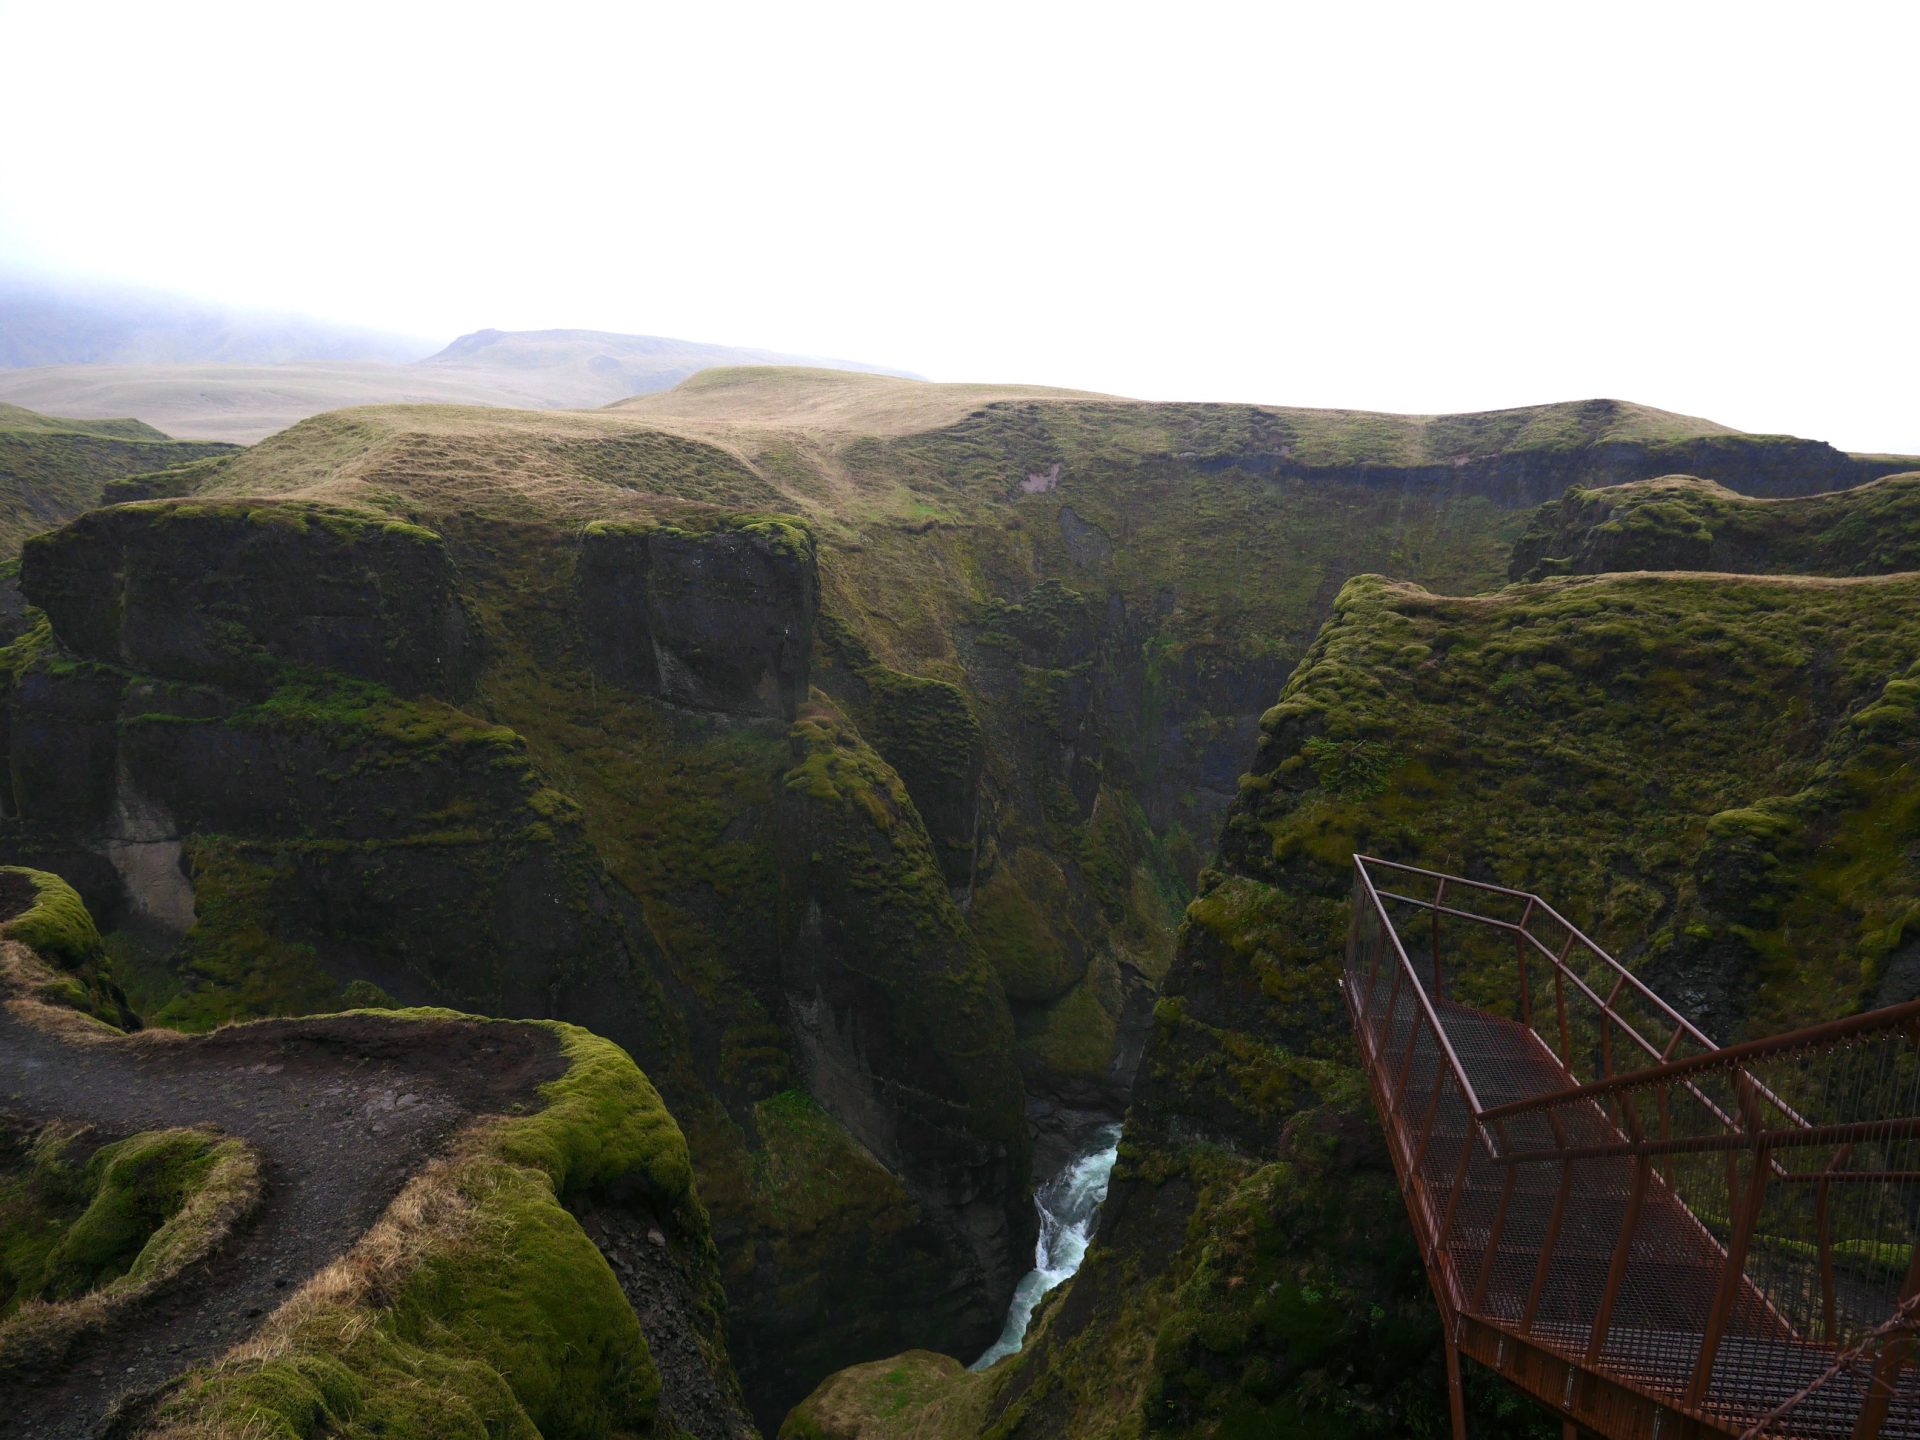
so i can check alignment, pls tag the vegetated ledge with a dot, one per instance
(225, 593)
(476, 1305)
(1681, 522)
(89, 1235)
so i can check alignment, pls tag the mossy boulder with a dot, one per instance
(87, 1228)
(214, 592)
(102, 1210)
(719, 618)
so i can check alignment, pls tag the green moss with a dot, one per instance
(236, 963)
(811, 1179)
(85, 1230)
(56, 924)
(1680, 522)
(1355, 769)
(365, 995)
(1075, 1035)
(921, 1394)
(1014, 914)
(136, 1186)
(869, 861)
(492, 1313)
(603, 1122)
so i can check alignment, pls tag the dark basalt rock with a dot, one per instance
(720, 619)
(229, 594)
(897, 1020)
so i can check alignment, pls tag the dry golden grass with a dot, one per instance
(835, 402)
(25, 979)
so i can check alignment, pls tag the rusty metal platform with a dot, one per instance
(1654, 1235)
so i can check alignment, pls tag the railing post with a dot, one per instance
(1622, 1253)
(1560, 1004)
(1830, 1327)
(1544, 1265)
(1478, 1303)
(1383, 1028)
(1894, 1351)
(1456, 1402)
(1732, 1276)
(1439, 980)
(1606, 1030)
(1446, 1220)
(1520, 963)
(1426, 1124)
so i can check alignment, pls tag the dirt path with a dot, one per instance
(342, 1111)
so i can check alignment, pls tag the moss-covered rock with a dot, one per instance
(47, 915)
(214, 592)
(477, 1306)
(719, 617)
(901, 1026)
(86, 1228)
(1679, 522)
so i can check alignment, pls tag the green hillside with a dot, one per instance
(51, 468)
(1679, 522)
(849, 749)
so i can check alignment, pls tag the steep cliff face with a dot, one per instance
(901, 1028)
(720, 618)
(1695, 768)
(272, 830)
(207, 593)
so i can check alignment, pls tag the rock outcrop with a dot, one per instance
(900, 1025)
(716, 619)
(220, 594)
(1681, 522)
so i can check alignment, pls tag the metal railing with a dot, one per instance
(1654, 1234)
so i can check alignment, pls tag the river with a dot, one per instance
(1069, 1206)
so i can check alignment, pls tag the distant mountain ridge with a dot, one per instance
(211, 373)
(51, 322)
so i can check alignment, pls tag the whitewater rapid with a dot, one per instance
(1069, 1206)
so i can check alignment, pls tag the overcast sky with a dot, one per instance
(1709, 208)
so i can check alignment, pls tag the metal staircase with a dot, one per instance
(1653, 1235)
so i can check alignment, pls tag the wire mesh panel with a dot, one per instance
(1726, 1232)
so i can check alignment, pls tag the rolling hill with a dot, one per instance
(52, 468)
(229, 394)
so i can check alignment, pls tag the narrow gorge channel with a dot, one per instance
(1069, 1206)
